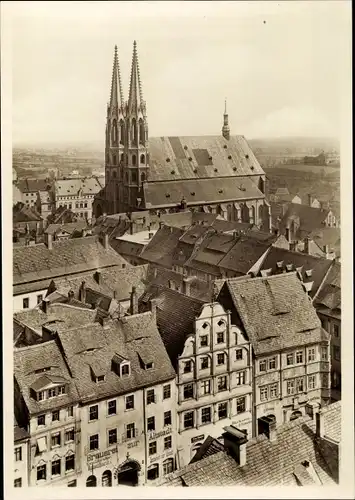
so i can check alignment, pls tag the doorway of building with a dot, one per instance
(91, 481)
(128, 474)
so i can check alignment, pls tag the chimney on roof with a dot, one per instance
(186, 286)
(320, 430)
(44, 305)
(153, 307)
(134, 301)
(98, 277)
(312, 407)
(150, 235)
(105, 241)
(267, 426)
(288, 234)
(293, 245)
(49, 241)
(161, 224)
(235, 443)
(310, 200)
(306, 245)
(326, 250)
(82, 292)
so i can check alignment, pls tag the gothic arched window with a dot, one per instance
(114, 132)
(122, 158)
(134, 131)
(121, 132)
(134, 159)
(143, 159)
(141, 132)
(114, 159)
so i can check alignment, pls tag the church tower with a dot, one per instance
(225, 128)
(115, 139)
(136, 140)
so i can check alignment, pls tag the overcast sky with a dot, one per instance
(280, 66)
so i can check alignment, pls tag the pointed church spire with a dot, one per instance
(116, 97)
(135, 99)
(225, 128)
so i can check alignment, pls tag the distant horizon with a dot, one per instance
(96, 143)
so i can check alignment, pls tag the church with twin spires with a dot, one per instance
(214, 174)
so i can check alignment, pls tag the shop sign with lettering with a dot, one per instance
(102, 454)
(155, 435)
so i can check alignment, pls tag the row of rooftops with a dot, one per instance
(285, 316)
(303, 452)
(84, 355)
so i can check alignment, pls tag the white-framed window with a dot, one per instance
(222, 383)
(238, 354)
(241, 405)
(70, 462)
(93, 413)
(263, 393)
(324, 353)
(240, 378)
(55, 439)
(167, 443)
(150, 396)
(262, 365)
(167, 418)
(166, 391)
(42, 472)
(289, 359)
(168, 466)
(56, 467)
(272, 363)
(299, 357)
(206, 415)
(222, 410)
(152, 448)
(130, 402)
(204, 363)
(111, 407)
(311, 354)
(18, 454)
(206, 387)
(220, 358)
(189, 420)
(311, 383)
(273, 390)
(94, 442)
(290, 387)
(188, 391)
(69, 435)
(112, 436)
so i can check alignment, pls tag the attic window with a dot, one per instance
(167, 195)
(42, 370)
(247, 157)
(101, 378)
(225, 146)
(280, 264)
(220, 323)
(125, 370)
(229, 157)
(309, 273)
(168, 159)
(205, 325)
(149, 366)
(289, 267)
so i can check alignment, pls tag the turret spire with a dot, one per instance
(116, 97)
(225, 128)
(135, 99)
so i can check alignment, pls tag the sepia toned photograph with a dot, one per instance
(178, 211)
